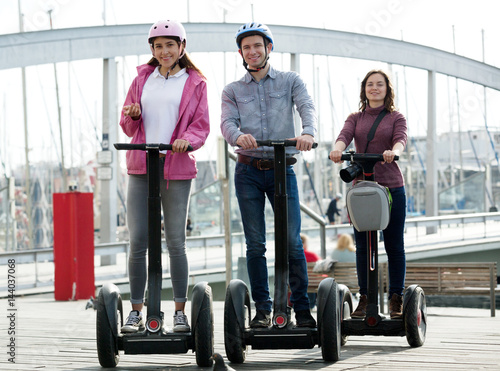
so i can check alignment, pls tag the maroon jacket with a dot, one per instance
(391, 130)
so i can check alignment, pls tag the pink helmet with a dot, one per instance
(167, 29)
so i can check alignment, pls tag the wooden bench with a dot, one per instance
(434, 278)
(344, 273)
(452, 279)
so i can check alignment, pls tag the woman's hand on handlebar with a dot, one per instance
(246, 141)
(335, 156)
(336, 153)
(389, 154)
(134, 111)
(304, 142)
(180, 145)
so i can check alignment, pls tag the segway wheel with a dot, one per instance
(347, 307)
(415, 317)
(204, 331)
(233, 334)
(107, 341)
(330, 330)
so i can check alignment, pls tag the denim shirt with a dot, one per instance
(265, 109)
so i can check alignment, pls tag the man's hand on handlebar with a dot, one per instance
(246, 141)
(304, 142)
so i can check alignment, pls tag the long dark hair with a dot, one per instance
(184, 62)
(389, 96)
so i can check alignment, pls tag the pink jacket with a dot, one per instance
(193, 125)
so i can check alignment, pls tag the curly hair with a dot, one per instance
(389, 96)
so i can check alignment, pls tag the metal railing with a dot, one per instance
(414, 231)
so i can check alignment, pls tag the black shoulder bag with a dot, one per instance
(371, 133)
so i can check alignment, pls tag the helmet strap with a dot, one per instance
(175, 64)
(245, 64)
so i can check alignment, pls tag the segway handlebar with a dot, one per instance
(364, 157)
(361, 163)
(146, 146)
(285, 142)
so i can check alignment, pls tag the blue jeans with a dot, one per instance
(252, 186)
(394, 247)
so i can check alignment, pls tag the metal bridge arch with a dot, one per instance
(63, 45)
(107, 42)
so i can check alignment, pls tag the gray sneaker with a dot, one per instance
(134, 323)
(181, 322)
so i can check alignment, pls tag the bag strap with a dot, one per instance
(371, 133)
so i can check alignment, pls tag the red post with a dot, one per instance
(73, 246)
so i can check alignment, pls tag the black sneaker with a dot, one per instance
(134, 323)
(181, 322)
(261, 320)
(304, 318)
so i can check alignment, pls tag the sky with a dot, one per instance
(454, 26)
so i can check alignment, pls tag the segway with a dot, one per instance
(283, 334)
(155, 339)
(369, 209)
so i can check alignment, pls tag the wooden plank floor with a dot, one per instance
(54, 335)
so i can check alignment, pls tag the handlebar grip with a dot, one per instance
(286, 143)
(146, 146)
(122, 146)
(375, 157)
(168, 147)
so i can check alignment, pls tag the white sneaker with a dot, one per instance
(134, 322)
(181, 322)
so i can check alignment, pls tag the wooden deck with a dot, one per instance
(54, 335)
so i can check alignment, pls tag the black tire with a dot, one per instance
(107, 342)
(204, 332)
(415, 317)
(346, 309)
(233, 334)
(330, 336)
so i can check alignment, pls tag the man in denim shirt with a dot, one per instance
(260, 107)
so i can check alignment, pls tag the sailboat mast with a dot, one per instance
(26, 147)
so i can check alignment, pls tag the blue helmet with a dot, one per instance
(253, 28)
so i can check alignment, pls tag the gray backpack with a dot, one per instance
(369, 206)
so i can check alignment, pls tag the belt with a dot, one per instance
(263, 163)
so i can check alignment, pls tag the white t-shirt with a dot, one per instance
(160, 103)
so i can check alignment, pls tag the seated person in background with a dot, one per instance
(345, 251)
(311, 257)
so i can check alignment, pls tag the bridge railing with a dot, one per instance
(35, 268)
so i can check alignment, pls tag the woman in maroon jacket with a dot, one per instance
(390, 138)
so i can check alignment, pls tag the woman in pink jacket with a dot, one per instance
(166, 103)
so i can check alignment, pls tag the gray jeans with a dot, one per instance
(175, 204)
